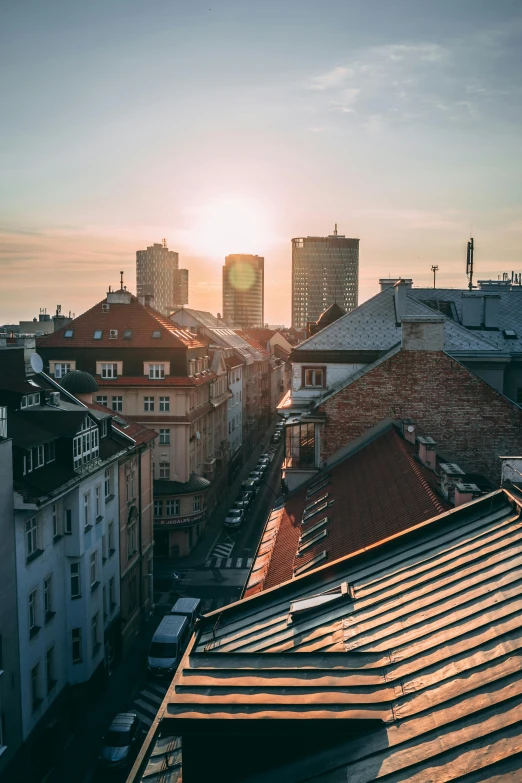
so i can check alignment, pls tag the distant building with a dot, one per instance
(158, 277)
(243, 290)
(324, 270)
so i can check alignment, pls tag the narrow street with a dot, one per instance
(215, 572)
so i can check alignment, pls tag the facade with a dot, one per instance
(10, 686)
(332, 403)
(158, 375)
(325, 270)
(158, 276)
(243, 290)
(235, 368)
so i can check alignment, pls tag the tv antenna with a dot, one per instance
(469, 263)
(335, 230)
(164, 242)
(434, 269)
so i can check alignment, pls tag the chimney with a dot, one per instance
(511, 470)
(401, 292)
(472, 309)
(491, 311)
(450, 475)
(422, 332)
(389, 282)
(121, 296)
(408, 430)
(146, 299)
(427, 451)
(465, 493)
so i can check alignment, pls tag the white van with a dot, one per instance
(189, 608)
(168, 644)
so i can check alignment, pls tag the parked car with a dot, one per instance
(187, 607)
(234, 518)
(255, 476)
(247, 497)
(241, 504)
(168, 644)
(261, 467)
(249, 486)
(120, 740)
(276, 437)
(265, 459)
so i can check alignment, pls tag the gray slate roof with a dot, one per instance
(372, 326)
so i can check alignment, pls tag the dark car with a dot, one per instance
(249, 486)
(255, 476)
(240, 504)
(276, 437)
(120, 740)
(247, 497)
(234, 518)
(264, 459)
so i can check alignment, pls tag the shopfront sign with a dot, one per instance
(180, 521)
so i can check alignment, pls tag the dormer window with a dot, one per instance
(156, 371)
(86, 444)
(109, 371)
(98, 334)
(61, 369)
(313, 377)
(69, 333)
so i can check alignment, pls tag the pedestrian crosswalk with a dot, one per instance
(148, 701)
(228, 562)
(223, 549)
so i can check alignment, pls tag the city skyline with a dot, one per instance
(405, 133)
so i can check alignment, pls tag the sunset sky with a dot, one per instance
(230, 126)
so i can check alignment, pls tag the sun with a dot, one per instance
(230, 224)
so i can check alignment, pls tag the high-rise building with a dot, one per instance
(157, 275)
(324, 270)
(243, 290)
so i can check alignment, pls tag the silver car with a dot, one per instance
(121, 740)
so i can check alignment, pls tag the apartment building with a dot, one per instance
(159, 277)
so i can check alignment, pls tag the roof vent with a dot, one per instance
(427, 451)
(450, 475)
(465, 493)
(509, 334)
(105, 307)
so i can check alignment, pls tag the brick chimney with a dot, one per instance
(408, 430)
(465, 493)
(450, 475)
(427, 451)
(422, 332)
(401, 292)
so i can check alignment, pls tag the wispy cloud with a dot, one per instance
(332, 78)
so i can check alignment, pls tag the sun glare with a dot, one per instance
(231, 224)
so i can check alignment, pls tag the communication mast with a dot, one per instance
(434, 269)
(164, 242)
(469, 264)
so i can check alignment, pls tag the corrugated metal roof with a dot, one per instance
(426, 636)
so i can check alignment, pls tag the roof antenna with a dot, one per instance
(164, 242)
(335, 230)
(121, 281)
(469, 263)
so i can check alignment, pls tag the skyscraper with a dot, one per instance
(157, 275)
(243, 290)
(324, 270)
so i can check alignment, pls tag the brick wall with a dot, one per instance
(471, 422)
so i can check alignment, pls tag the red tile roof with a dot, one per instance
(261, 335)
(254, 344)
(141, 319)
(138, 432)
(377, 492)
(233, 361)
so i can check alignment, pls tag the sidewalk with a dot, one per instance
(204, 546)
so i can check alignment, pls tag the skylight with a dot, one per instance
(127, 334)
(98, 334)
(317, 559)
(509, 333)
(315, 488)
(156, 335)
(314, 601)
(313, 529)
(313, 511)
(69, 333)
(315, 502)
(311, 541)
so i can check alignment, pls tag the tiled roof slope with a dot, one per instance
(205, 318)
(423, 634)
(371, 495)
(141, 319)
(372, 326)
(125, 425)
(509, 317)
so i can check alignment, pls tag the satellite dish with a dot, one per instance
(36, 363)
(410, 428)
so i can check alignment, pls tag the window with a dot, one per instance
(31, 536)
(104, 547)
(109, 371)
(28, 461)
(164, 470)
(156, 370)
(156, 335)
(300, 446)
(108, 483)
(105, 613)
(35, 686)
(313, 376)
(164, 403)
(110, 537)
(97, 502)
(23, 402)
(102, 400)
(127, 334)
(40, 457)
(48, 597)
(117, 404)
(164, 436)
(148, 404)
(50, 451)
(172, 508)
(76, 637)
(54, 517)
(33, 613)
(69, 333)
(131, 533)
(86, 446)
(93, 569)
(76, 588)
(61, 369)
(98, 334)
(49, 669)
(87, 510)
(104, 427)
(158, 508)
(197, 502)
(94, 634)
(3, 424)
(112, 593)
(68, 521)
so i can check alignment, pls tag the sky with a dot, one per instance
(231, 126)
